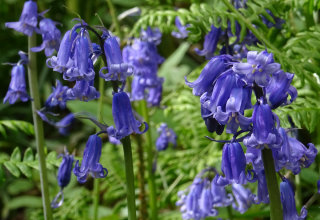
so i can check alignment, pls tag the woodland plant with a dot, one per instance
(239, 137)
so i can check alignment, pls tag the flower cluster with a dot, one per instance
(166, 136)
(142, 55)
(225, 87)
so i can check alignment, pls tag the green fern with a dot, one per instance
(16, 125)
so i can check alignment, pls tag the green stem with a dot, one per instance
(272, 184)
(150, 154)
(38, 126)
(268, 44)
(229, 209)
(127, 151)
(298, 196)
(114, 18)
(96, 188)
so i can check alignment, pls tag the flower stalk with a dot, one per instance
(272, 184)
(38, 126)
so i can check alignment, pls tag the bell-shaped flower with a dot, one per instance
(137, 89)
(150, 35)
(243, 198)
(83, 90)
(155, 93)
(82, 67)
(253, 156)
(279, 88)
(233, 164)
(239, 100)
(211, 123)
(293, 155)
(206, 200)
(17, 87)
(264, 130)
(182, 29)
(90, 162)
(258, 68)
(62, 62)
(96, 52)
(65, 169)
(263, 195)
(220, 196)
(27, 23)
(210, 43)
(58, 97)
(289, 204)
(50, 37)
(125, 123)
(213, 69)
(65, 123)
(118, 70)
(167, 135)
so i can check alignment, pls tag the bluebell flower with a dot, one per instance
(151, 35)
(27, 23)
(65, 124)
(258, 68)
(239, 100)
(96, 52)
(65, 169)
(206, 200)
(82, 66)
(293, 155)
(289, 204)
(137, 89)
(254, 156)
(58, 97)
(279, 88)
(277, 21)
(118, 70)
(90, 162)
(182, 29)
(233, 164)
(240, 51)
(264, 130)
(62, 62)
(155, 93)
(243, 198)
(83, 90)
(220, 196)
(318, 186)
(211, 123)
(125, 123)
(17, 88)
(210, 43)
(114, 140)
(212, 70)
(50, 37)
(263, 195)
(167, 135)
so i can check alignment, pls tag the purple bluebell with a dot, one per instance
(65, 169)
(220, 196)
(206, 200)
(182, 29)
(125, 123)
(210, 43)
(62, 62)
(155, 93)
(58, 96)
(264, 130)
(239, 100)
(83, 90)
(118, 70)
(243, 198)
(151, 35)
(262, 195)
(211, 123)
(289, 204)
(166, 136)
(28, 21)
(318, 186)
(137, 89)
(240, 51)
(82, 66)
(96, 52)
(212, 70)
(233, 164)
(65, 123)
(50, 37)
(279, 88)
(253, 156)
(114, 140)
(277, 21)
(293, 155)
(258, 68)
(17, 88)
(90, 162)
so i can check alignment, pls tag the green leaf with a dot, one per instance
(28, 155)
(24, 169)
(25, 201)
(12, 168)
(16, 155)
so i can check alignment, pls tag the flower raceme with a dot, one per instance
(166, 136)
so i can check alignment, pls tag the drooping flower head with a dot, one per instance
(182, 29)
(50, 37)
(167, 135)
(211, 123)
(63, 61)
(17, 88)
(210, 43)
(65, 169)
(118, 70)
(65, 123)
(243, 198)
(83, 90)
(58, 96)
(90, 162)
(150, 35)
(27, 23)
(289, 204)
(124, 120)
